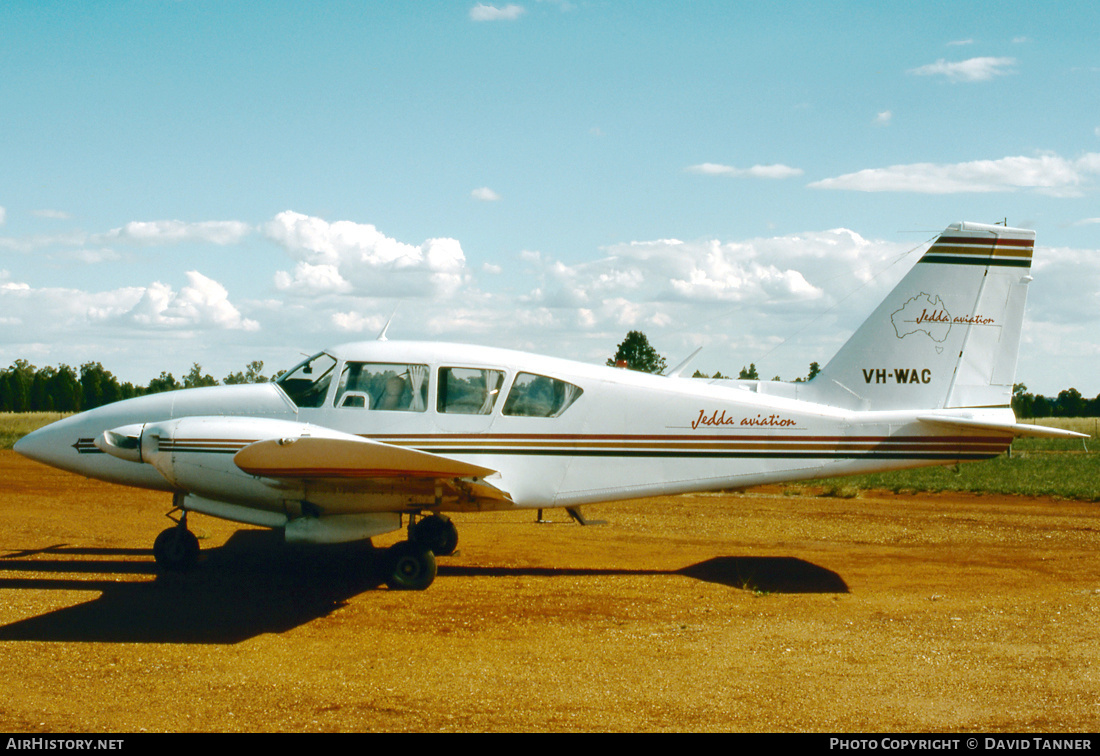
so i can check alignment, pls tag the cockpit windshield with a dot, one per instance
(307, 383)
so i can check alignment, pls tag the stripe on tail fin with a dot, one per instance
(948, 335)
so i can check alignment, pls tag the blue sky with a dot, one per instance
(219, 182)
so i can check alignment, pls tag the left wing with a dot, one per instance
(348, 463)
(328, 458)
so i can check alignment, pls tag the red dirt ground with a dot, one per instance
(748, 612)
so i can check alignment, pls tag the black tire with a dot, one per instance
(176, 549)
(437, 533)
(411, 566)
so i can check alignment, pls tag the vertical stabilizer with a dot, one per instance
(948, 335)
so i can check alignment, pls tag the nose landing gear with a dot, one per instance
(410, 565)
(176, 549)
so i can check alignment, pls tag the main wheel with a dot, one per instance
(437, 533)
(411, 566)
(176, 549)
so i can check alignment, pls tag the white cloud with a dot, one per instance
(775, 171)
(960, 42)
(202, 303)
(884, 118)
(6, 282)
(354, 322)
(174, 232)
(739, 299)
(89, 255)
(3, 215)
(761, 273)
(87, 317)
(51, 214)
(974, 69)
(485, 194)
(312, 280)
(482, 12)
(347, 257)
(140, 233)
(1049, 174)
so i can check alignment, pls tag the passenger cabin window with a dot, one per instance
(468, 391)
(307, 383)
(383, 386)
(539, 396)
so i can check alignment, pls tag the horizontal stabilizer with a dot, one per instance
(1016, 429)
(312, 457)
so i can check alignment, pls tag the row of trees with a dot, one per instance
(1068, 403)
(25, 388)
(636, 353)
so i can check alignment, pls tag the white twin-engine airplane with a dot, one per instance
(346, 443)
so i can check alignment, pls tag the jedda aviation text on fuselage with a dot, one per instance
(363, 439)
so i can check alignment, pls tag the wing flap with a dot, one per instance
(336, 458)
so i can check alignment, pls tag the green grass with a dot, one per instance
(1060, 474)
(1035, 467)
(15, 425)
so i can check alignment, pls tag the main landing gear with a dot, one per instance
(176, 549)
(410, 565)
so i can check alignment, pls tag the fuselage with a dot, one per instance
(556, 432)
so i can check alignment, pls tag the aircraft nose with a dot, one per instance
(51, 445)
(34, 445)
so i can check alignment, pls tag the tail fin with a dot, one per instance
(948, 335)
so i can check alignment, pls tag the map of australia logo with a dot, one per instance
(923, 313)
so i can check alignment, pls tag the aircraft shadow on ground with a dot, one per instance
(254, 584)
(768, 575)
(758, 574)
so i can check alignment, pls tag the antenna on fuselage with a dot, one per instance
(675, 372)
(382, 334)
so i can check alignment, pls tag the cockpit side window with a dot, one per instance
(540, 396)
(383, 386)
(307, 383)
(468, 391)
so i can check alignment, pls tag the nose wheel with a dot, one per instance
(176, 549)
(410, 566)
